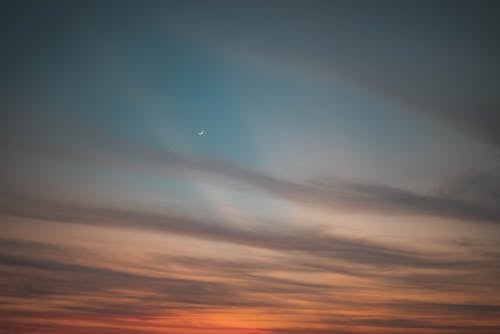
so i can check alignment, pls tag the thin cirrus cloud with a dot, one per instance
(476, 203)
(365, 267)
(347, 181)
(238, 285)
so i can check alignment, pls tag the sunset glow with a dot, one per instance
(250, 167)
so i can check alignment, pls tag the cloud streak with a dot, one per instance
(121, 297)
(105, 150)
(290, 239)
(325, 196)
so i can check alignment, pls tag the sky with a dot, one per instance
(250, 167)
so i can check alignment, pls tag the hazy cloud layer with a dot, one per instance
(91, 290)
(469, 198)
(283, 167)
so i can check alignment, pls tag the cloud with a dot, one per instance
(302, 250)
(308, 278)
(151, 294)
(114, 295)
(477, 187)
(92, 147)
(399, 324)
(284, 239)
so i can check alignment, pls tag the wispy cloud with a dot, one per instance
(96, 148)
(275, 238)
(346, 183)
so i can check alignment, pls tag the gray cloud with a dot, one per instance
(441, 59)
(50, 278)
(91, 147)
(36, 277)
(402, 324)
(474, 186)
(21, 326)
(307, 250)
(290, 239)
